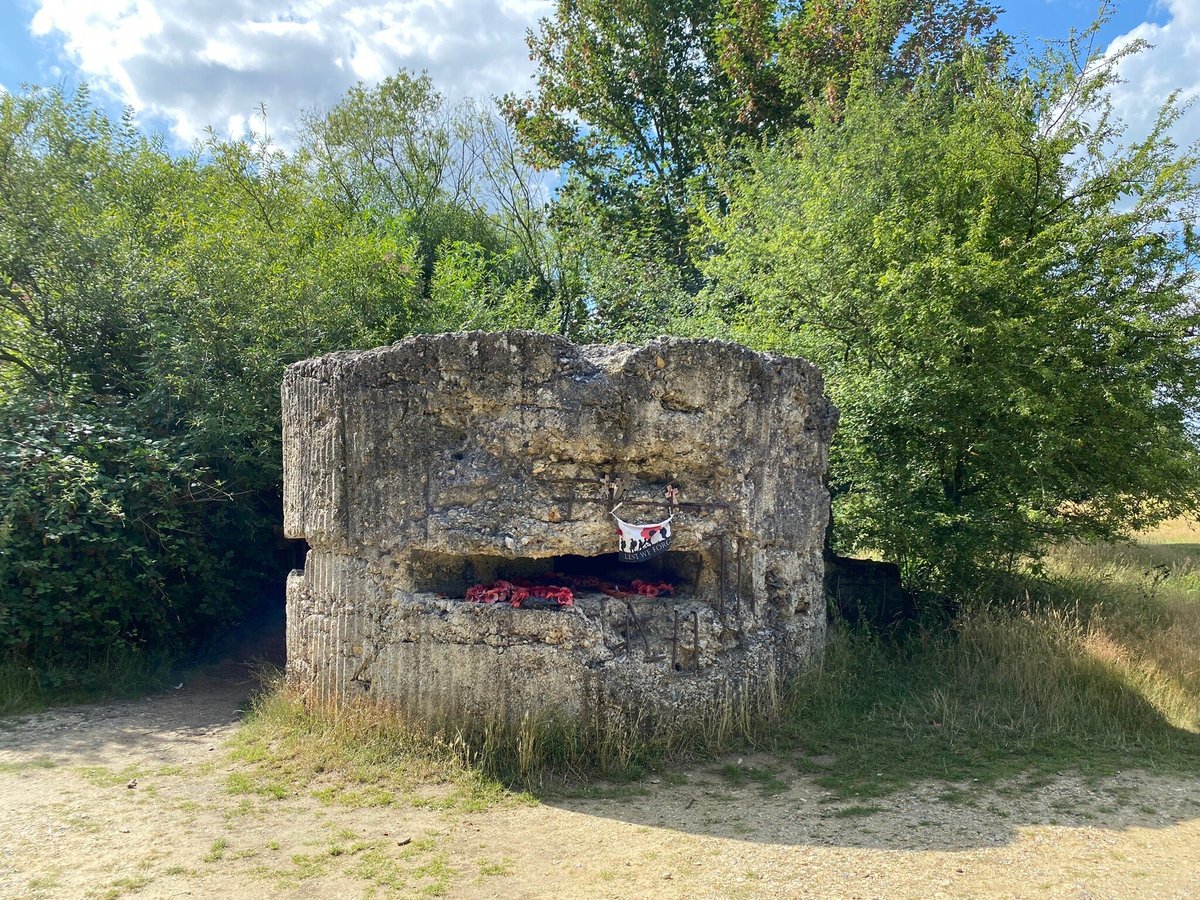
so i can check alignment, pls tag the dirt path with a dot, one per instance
(140, 798)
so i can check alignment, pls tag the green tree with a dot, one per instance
(264, 271)
(149, 305)
(627, 94)
(73, 186)
(1002, 293)
(516, 198)
(822, 45)
(399, 153)
(631, 292)
(636, 99)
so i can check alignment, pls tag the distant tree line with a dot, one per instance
(1000, 288)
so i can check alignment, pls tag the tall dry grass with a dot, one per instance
(1091, 663)
(286, 741)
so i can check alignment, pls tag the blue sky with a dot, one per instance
(186, 64)
(1042, 19)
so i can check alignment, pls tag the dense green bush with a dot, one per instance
(1004, 311)
(110, 536)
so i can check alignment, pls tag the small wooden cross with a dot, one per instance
(610, 484)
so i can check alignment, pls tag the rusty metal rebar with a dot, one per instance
(675, 639)
(637, 623)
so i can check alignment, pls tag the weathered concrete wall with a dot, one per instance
(414, 469)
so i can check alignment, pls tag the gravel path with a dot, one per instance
(136, 799)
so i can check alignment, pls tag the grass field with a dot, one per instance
(1092, 665)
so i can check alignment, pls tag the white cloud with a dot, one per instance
(1149, 77)
(211, 62)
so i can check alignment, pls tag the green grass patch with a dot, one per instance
(376, 866)
(437, 874)
(599, 790)
(121, 672)
(129, 885)
(217, 851)
(47, 882)
(359, 757)
(40, 762)
(489, 869)
(254, 783)
(416, 868)
(856, 811)
(766, 779)
(102, 776)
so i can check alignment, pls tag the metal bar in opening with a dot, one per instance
(637, 623)
(724, 588)
(648, 504)
(675, 639)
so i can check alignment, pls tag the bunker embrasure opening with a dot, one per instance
(450, 575)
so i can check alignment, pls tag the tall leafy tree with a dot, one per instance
(400, 154)
(823, 44)
(148, 305)
(628, 93)
(74, 190)
(398, 149)
(635, 99)
(1003, 294)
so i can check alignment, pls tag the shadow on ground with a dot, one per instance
(761, 799)
(765, 800)
(202, 698)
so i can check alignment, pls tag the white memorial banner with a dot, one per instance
(642, 542)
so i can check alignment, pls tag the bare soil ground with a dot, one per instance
(141, 798)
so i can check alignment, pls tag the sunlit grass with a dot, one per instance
(370, 755)
(1173, 531)
(1091, 665)
(353, 756)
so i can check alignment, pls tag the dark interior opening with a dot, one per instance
(451, 574)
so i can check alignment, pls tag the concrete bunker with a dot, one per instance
(420, 470)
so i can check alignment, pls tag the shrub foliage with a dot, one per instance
(1001, 292)
(109, 536)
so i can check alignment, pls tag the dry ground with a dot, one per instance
(141, 798)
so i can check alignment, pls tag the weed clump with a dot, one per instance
(367, 754)
(1090, 666)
